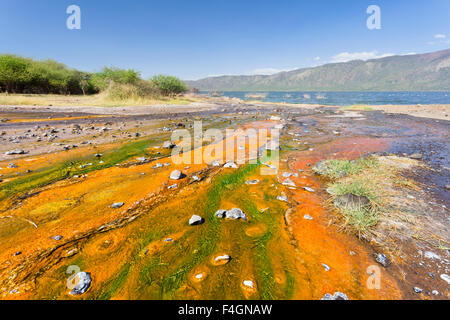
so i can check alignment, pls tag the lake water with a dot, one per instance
(350, 98)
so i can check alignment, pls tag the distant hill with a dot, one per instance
(419, 72)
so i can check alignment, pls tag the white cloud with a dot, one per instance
(349, 56)
(317, 58)
(440, 36)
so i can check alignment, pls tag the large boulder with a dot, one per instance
(233, 214)
(195, 220)
(83, 283)
(176, 175)
(236, 214)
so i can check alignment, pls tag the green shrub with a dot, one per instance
(103, 79)
(168, 85)
(120, 92)
(23, 75)
(14, 72)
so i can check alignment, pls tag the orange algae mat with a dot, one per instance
(147, 250)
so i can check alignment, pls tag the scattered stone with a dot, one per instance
(447, 187)
(252, 182)
(117, 205)
(435, 292)
(288, 175)
(230, 165)
(168, 240)
(199, 276)
(248, 283)
(57, 238)
(14, 152)
(142, 159)
(431, 255)
(225, 258)
(308, 217)
(169, 145)
(282, 198)
(18, 253)
(236, 214)
(352, 253)
(174, 186)
(176, 175)
(83, 284)
(416, 156)
(215, 164)
(336, 296)
(195, 220)
(288, 182)
(12, 165)
(269, 166)
(221, 213)
(308, 189)
(233, 214)
(418, 290)
(326, 267)
(382, 259)
(446, 278)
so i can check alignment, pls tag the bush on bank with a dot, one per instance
(24, 75)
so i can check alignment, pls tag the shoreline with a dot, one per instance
(433, 111)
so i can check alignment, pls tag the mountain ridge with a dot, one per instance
(418, 72)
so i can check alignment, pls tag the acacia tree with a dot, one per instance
(13, 72)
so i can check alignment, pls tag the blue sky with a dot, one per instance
(197, 38)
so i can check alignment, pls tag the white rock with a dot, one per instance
(431, 255)
(195, 220)
(84, 282)
(222, 258)
(176, 175)
(230, 165)
(248, 283)
(289, 182)
(446, 278)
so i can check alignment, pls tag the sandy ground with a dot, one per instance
(127, 110)
(432, 111)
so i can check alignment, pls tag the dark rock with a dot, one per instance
(382, 259)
